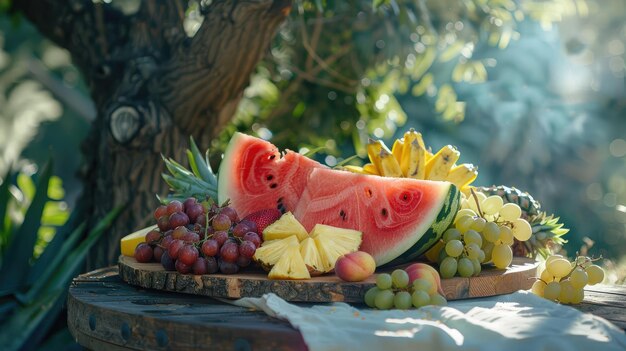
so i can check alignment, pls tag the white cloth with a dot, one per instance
(518, 321)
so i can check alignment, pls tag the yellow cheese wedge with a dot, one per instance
(130, 241)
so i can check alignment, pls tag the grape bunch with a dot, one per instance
(484, 231)
(563, 281)
(396, 291)
(197, 238)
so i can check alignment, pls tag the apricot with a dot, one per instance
(355, 266)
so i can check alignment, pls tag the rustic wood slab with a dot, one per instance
(326, 288)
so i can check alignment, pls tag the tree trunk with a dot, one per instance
(153, 87)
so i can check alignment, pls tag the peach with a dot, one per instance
(355, 266)
(425, 271)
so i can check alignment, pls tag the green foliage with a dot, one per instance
(33, 287)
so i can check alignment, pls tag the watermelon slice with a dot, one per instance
(400, 218)
(255, 176)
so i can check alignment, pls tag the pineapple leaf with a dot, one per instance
(201, 168)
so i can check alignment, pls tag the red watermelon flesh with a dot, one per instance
(255, 176)
(390, 212)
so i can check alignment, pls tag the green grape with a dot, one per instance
(502, 255)
(402, 300)
(472, 236)
(567, 292)
(472, 201)
(595, 274)
(491, 233)
(521, 229)
(481, 256)
(465, 267)
(454, 248)
(447, 268)
(579, 278)
(488, 250)
(492, 205)
(464, 223)
(465, 212)
(546, 276)
(538, 288)
(400, 278)
(384, 300)
(510, 212)
(552, 257)
(438, 300)
(479, 224)
(383, 281)
(370, 295)
(477, 266)
(442, 256)
(552, 291)
(506, 235)
(420, 298)
(579, 296)
(451, 234)
(559, 267)
(473, 250)
(422, 284)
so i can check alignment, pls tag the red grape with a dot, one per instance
(188, 202)
(143, 253)
(160, 212)
(227, 267)
(191, 237)
(220, 236)
(194, 211)
(157, 252)
(243, 261)
(229, 252)
(240, 230)
(188, 254)
(200, 266)
(175, 247)
(167, 240)
(252, 237)
(179, 232)
(178, 219)
(247, 249)
(210, 247)
(221, 222)
(167, 262)
(174, 206)
(212, 266)
(181, 267)
(201, 219)
(251, 225)
(153, 236)
(163, 223)
(231, 213)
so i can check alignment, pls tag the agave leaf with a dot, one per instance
(6, 308)
(199, 167)
(21, 248)
(346, 161)
(314, 151)
(5, 196)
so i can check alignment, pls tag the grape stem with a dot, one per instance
(480, 212)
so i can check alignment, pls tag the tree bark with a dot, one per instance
(153, 87)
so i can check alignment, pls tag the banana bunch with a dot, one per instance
(410, 158)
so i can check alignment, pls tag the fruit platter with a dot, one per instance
(405, 230)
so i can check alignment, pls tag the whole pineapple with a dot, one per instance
(547, 231)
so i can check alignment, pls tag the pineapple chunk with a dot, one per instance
(333, 242)
(290, 266)
(311, 256)
(286, 226)
(271, 251)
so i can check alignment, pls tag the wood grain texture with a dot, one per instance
(318, 289)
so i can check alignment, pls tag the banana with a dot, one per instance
(439, 165)
(389, 164)
(417, 162)
(410, 137)
(354, 169)
(462, 175)
(397, 148)
(370, 168)
(374, 148)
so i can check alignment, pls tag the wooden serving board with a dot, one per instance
(325, 288)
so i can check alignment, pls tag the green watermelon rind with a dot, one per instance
(444, 219)
(224, 179)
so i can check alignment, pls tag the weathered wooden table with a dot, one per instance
(105, 313)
